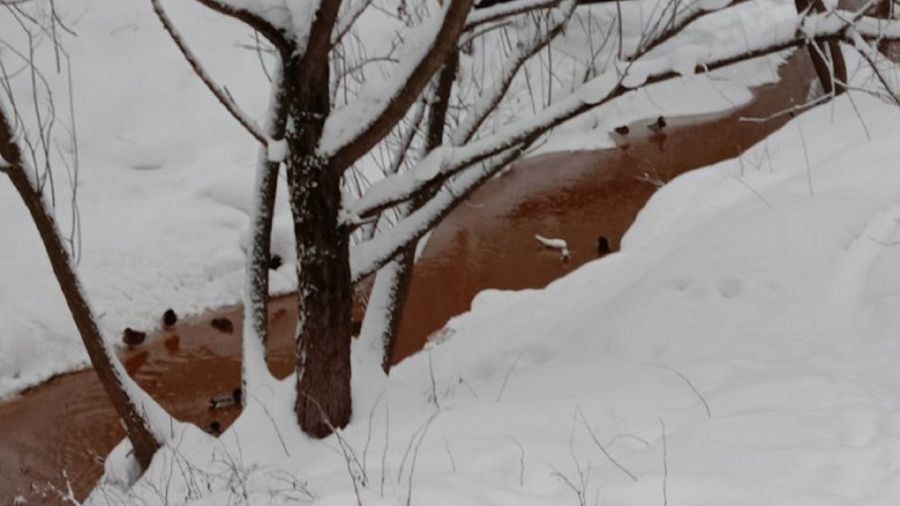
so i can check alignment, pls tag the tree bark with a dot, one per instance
(326, 299)
(324, 284)
(137, 428)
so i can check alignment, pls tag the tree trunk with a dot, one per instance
(137, 428)
(827, 57)
(391, 284)
(256, 301)
(326, 299)
(324, 283)
(398, 273)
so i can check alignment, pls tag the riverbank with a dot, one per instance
(488, 242)
(739, 349)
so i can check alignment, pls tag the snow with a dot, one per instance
(739, 349)
(552, 243)
(557, 244)
(276, 151)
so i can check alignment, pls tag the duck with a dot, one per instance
(603, 246)
(226, 400)
(169, 318)
(622, 130)
(222, 325)
(658, 125)
(133, 337)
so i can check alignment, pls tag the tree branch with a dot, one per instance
(365, 138)
(511, 65)
(274, 35)
(139, 413)
(220, 94)
(505, 10)
(444, 162)
(369, 256)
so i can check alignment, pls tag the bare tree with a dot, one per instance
(26, 157)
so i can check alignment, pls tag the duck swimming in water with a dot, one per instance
(133, 337)
(603, 246)
(226, 400)
(170, 318)
(222, 325)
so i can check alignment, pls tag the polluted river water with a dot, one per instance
(66, 425)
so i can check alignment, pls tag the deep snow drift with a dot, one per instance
(739, 350)
(166, 173)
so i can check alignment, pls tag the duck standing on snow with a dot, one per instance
(557, 244)
(658, 125)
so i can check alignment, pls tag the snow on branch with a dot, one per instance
(680, 21)
(490, 99)
(445, 161)
(220, 94)
(505, 10)
(256, 18)
(369, 256)
(354, 129)
(346, 21)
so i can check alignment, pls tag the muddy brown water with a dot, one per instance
(488, 242)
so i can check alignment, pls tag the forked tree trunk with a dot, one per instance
(142, 439)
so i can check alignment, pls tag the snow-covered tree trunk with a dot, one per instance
(326, 298)
(119, 387)
(256, 297)
(325, 290)
(397, 275)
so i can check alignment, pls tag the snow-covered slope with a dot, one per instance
(739, 350)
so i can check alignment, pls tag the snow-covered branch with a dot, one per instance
(220, 94)
(144, 420)
(680, 21)
(257, 21)
(351, 131)
(446, 161)
(369, 256)
(490, 99)
(348, 19)
(505, 10)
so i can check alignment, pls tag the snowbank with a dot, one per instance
(740, 349)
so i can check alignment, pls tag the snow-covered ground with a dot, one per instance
(166, 174)
(740, 349)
